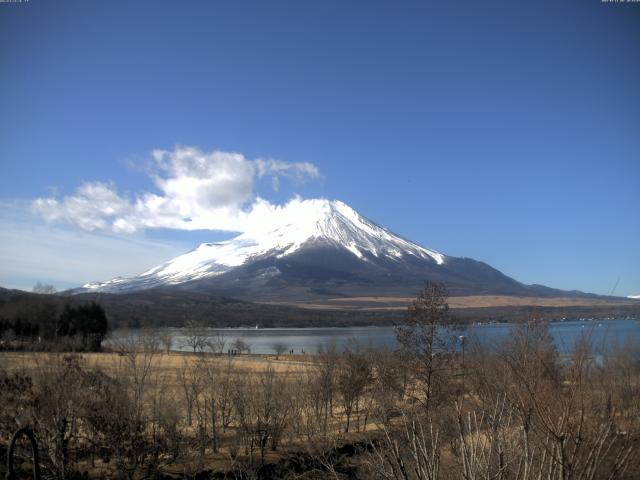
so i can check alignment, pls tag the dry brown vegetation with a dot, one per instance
(516, 411)
(469, 301)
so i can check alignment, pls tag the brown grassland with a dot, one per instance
(425, 411)
(471, 301)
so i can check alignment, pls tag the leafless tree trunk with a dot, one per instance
(424, 342)
(354, 376)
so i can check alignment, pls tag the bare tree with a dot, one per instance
(119, 417)
(167, 341)
(327, 377)
(424, 342)
(410, 452)
(59, 403)
(263, 405)
(216, 343)
(216, 387)
(353, 377)
(138, 367)
(195, 338)
(241, 346)
(190, 383)
(279, 348)
(389, 383)
(272, 406)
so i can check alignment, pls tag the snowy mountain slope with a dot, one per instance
(635, 297)
(312, 222)
(316, 249)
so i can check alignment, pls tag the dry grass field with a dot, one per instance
(170, 364)
(163, 386)
(474, 301)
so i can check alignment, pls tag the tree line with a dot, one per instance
(76, 327)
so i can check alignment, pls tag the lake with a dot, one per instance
(603, 333)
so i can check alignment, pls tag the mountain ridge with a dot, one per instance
(313, 249)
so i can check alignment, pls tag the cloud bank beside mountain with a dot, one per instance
(196, 190)
(67, 257)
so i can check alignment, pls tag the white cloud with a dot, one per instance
(90, 208)
(298, 171)
(196, 190)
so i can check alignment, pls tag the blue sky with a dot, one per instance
(504, 131)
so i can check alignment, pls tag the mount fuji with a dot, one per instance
(315, 249)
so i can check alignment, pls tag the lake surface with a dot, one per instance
(602, 334)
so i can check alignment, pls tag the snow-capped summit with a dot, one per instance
(634, 297)
(316, 249)
(331, 221)
(279, 234)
